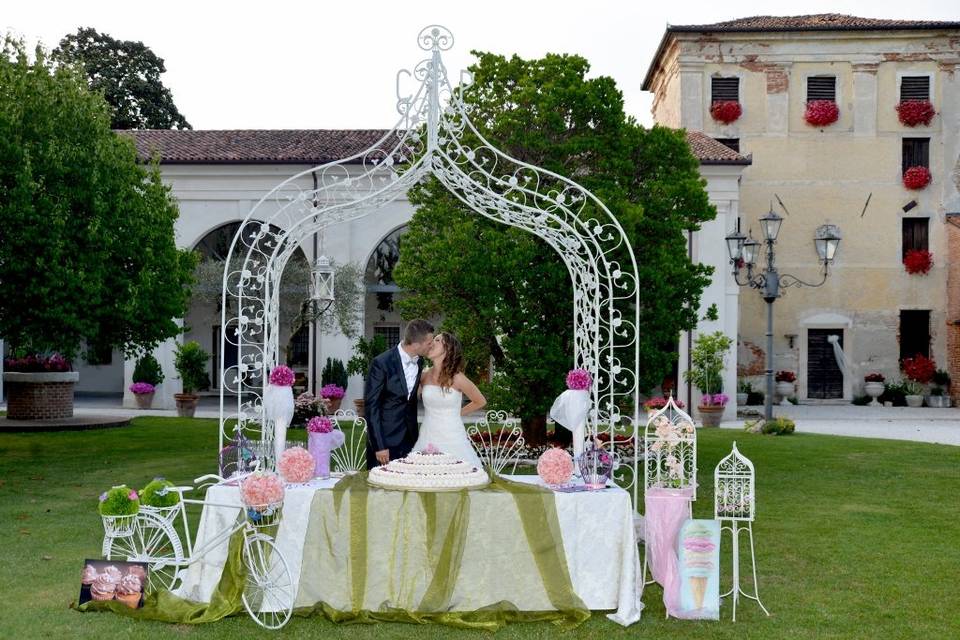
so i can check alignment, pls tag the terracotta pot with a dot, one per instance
(186, 404)
(144, 400)
(710, 415)
(335, 404)
(358, 403)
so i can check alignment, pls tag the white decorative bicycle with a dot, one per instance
(152, 538)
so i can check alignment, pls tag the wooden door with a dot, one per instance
(824, 377)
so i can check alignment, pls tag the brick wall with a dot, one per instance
(953, 305)
(39, 400)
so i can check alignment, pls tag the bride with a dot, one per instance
(442, 388)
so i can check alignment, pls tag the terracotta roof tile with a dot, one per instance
(814, 22)
(711, 151)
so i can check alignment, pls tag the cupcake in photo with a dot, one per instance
(137, 570)
(88, 576)
(104, 587)
(128, 591)
(114, 573)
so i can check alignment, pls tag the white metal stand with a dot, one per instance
(736, 590)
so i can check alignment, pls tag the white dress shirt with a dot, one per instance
(410, 366)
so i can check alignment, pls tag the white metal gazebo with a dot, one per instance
(435, 137)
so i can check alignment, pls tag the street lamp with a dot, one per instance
(744, 253)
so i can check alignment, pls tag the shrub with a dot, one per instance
(190, 362)
(894, 392)
(119, 501)
(778, 426)
(153, 496)
(148, 370)
(334, 373)
(941, 378)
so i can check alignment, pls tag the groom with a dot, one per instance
(390, 396)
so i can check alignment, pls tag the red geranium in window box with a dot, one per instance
(726, 111)
(820, 113)
(916, 177)
(918, 261)
(914, 112)
(919, 368)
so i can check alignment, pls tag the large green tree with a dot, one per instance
(128, 75)
(87, 252)
(507, 293)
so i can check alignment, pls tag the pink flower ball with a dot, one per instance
(320, 424)
(282, 376)
(261, 489)
(579, 380)
(296, 465)
(555, 466)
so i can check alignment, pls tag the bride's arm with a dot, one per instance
(464, 385)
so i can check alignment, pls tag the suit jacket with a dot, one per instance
(391, 416)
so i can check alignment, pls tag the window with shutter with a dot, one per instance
(915, 88)
(916, 153)
(722, 89)
(916, 233)
(821, 88)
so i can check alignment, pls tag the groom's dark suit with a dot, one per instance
(391, 414)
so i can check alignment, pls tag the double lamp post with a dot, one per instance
(746, 253)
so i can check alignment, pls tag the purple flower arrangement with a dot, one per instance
(142, 387)
(715, 400)
(332, 391)
(320, 424)
(37, 364)
(282, 376)
(579, 380)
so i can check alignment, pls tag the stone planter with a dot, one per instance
(710, 415)
(938, 402)
(874, 390)
(40, 396)
(914, 401)
(742, 399)
(358, 403)
(144, 400)
(186, 404)
(786, 390)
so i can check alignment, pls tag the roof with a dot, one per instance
(711, 151)
(811, 22)
(253, 146)
(310, 146)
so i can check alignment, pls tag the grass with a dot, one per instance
(856, 538)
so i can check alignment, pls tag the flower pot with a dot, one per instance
(938, 402)
(742, 399)
(358, 403)
(914, 400)
(335, 404)
(186, 404)
(710, 415)
(785, 389)
(144, 400)
(46, 395)
(874, 390)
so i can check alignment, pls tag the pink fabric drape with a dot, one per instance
(666, 511)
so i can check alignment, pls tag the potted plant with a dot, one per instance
(334, 373)
(652, 405)
(914, 393)
(706, 373)
(363, 354)
(821, 113)
(919, 371)
(160, 497)
(915, 178)
(939, 396)
(873, 387)
(39, 387)
(785, 385)
(917, 261)
(147, 376)
(915, 112)
(744, 389)
(333, 394)
(118, 509)
(190, 361)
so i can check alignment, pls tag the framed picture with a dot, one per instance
(113, 580)
(699, 564)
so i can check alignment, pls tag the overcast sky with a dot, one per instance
(281, 64)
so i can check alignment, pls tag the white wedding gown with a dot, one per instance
(442, 425)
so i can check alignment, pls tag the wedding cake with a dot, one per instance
(428, 470)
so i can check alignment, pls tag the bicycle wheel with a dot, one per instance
(268, 590)
(154, 541)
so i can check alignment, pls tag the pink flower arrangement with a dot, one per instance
(579, 380)
(820, 113)
(715, 400)
(296, 465)
(142, 387)
(37, 364)
(261, 489)
(282, 376)
(320, 424)
(332, 391)
(555, 466)
(655, 404)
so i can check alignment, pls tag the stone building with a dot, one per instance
(848, 173)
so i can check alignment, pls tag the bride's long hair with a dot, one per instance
(452, 360)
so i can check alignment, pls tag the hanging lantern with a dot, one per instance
(321, 282)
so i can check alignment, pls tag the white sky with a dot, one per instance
(282, 64)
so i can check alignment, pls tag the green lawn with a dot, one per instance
(856, 538)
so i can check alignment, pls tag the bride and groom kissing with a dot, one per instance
(395, 383)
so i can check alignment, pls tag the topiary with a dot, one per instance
(158, 494)
(119, 501)
(778, 426)
(334, 373)
(148, 370)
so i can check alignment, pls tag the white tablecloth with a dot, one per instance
(597, 528)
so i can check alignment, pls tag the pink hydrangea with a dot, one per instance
(142, 387)
(296, 465)
(282, 376)
(555, 466)
(261, 489)
(320, 424)
(579, 379)
(332, 391)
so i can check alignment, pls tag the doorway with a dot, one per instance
(824, 376)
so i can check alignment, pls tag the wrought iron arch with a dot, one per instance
(435, 137)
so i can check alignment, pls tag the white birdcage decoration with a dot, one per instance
(321, 282)
(734, 484)
(670, 450)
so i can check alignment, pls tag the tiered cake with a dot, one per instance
(428, 471)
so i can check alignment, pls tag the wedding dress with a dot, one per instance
(442, 425)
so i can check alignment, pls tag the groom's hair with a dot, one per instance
(416, 331)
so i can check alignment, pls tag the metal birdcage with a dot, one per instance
(670, 450)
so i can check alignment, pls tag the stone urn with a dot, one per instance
(46, 395)
(786, 390)
(742, 399)
(874, 390)
(710, 415)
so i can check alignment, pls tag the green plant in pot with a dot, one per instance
(190, 361)
(364, 351)
(940, 391)
(147, 375)
(706, 373)
(118, 508)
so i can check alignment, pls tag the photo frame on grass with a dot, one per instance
(104, 580)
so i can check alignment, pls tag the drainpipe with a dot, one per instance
(689, 333)
(316, 335)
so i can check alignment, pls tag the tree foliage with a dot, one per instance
(87, 252)
(128, 75)
(506, 293)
